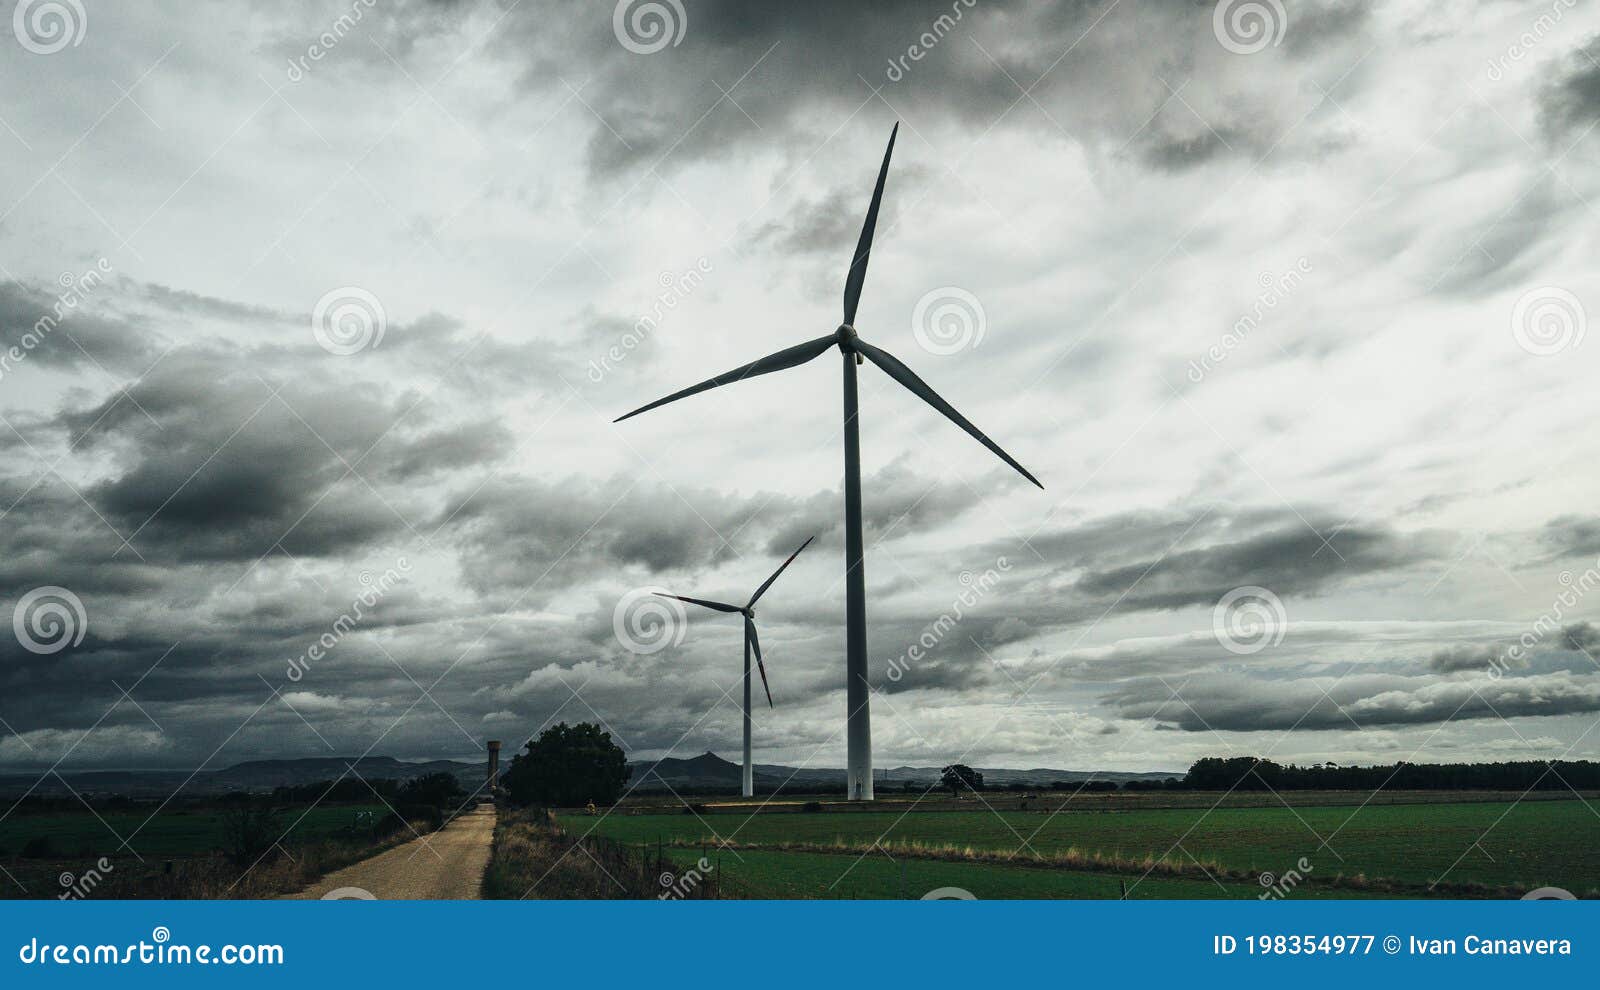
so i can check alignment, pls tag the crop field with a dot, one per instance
(1465, 847)
(172, 832)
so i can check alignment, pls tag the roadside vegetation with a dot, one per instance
(236, 846)
(534, 858)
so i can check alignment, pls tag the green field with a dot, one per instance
(1493, 843)
(172, 832)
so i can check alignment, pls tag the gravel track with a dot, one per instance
(446, 865)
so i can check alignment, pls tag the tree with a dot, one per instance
(567, 766)
(959, 775)
(440, 789)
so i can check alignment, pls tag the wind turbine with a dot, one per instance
(751, 642)
(855, 351)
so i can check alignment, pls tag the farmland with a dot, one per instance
(171, 832)
(1448, 846)
(177, 851)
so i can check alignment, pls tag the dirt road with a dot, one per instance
(446, 865)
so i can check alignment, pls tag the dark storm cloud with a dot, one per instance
(215, 465)
(950, 59)
(67, 334)
(514, 529)
(899, 499)
(1257, 705)
(1291, 559)
(1569, 103)
(1568, 536)
(468, 445)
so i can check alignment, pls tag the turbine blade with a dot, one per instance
(789, 357)
(719, 606)
(755, 642)
(905, 376)
(768, 582)
(858, 265)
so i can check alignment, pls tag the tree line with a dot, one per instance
(1245, 773)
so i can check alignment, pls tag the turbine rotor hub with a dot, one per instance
(846, 334)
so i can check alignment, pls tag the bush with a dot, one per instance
(249, 831)
(404, 814)
(811, 806)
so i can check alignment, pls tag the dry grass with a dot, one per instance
(534, 859)
(1095, 862)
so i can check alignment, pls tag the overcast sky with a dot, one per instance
(339, 301)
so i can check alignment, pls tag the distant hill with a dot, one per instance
(712, 771)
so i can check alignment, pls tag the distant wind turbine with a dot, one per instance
(854, 349)
(751, 642)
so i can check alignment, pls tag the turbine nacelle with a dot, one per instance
(847, 338)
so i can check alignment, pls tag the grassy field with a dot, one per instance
(1496, 844)
(178, 852)
(180, 832)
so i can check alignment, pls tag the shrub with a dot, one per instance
(249, 831)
